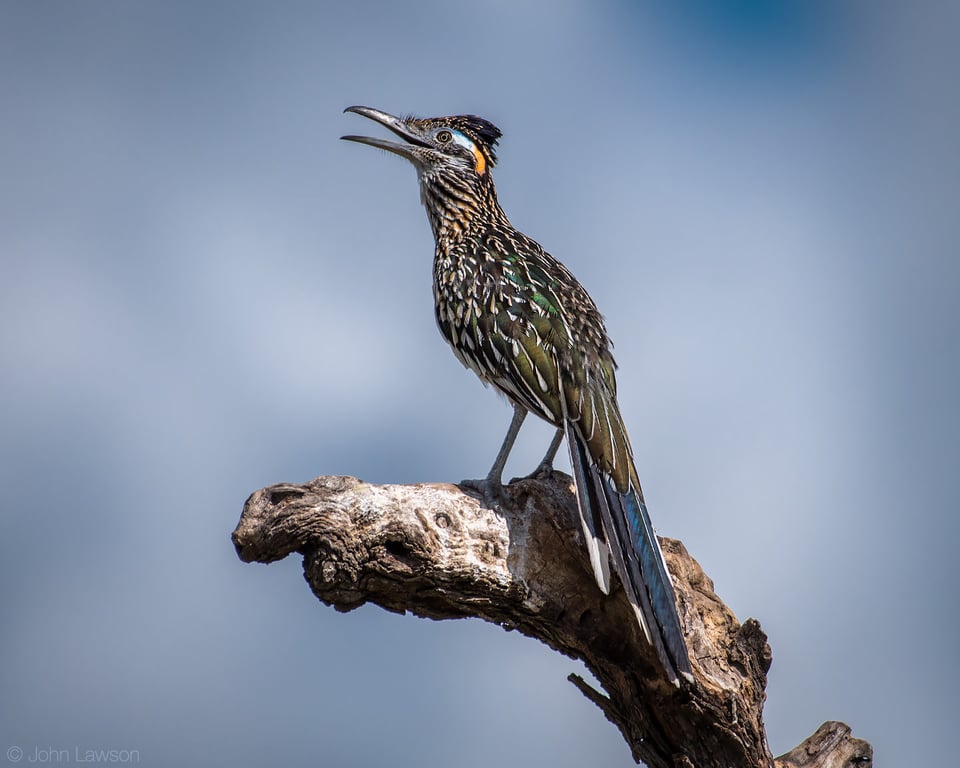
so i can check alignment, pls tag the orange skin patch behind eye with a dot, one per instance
(481, 160)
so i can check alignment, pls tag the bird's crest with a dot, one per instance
(485, 133)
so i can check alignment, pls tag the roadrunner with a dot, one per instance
(518, 319)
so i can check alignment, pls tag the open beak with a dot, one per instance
(395, 124)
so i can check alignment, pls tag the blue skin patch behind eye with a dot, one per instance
(462, 140)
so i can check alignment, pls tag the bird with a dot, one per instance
(520, 320)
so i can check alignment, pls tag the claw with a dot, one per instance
(543, 471)
(490, 490)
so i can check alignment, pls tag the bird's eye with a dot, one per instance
(444, 137)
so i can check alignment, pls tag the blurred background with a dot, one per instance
(203, 291)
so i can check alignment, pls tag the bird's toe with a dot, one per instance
(489, 490)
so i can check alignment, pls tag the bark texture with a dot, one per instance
(437, 552)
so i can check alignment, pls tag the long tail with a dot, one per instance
(619, 524)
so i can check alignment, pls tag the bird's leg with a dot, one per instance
(545, 467)
(492, 485)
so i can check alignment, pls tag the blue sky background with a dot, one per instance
(203, 291)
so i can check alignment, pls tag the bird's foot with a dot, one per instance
(543, 471)
(490, 490)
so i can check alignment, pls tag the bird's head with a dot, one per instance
(462, 145)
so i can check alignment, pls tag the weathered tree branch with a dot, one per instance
(437, 552)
